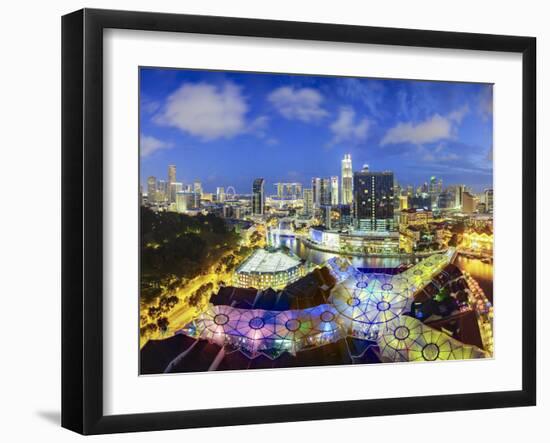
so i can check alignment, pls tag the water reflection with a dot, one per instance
(482, 272)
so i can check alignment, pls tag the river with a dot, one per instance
(482, 272)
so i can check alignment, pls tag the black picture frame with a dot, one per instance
(82, 218)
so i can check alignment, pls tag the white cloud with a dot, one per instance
(434, 129)
(298, 104)
(206, 111)
(148, 145)
(346, 129)
(458, 114)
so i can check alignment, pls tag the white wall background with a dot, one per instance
(30, 215)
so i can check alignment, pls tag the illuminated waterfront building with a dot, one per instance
(269, 269)
(334, 191)
(347, 181)
(478, 241)
(355, 242)
(258, 197)
(373, 201)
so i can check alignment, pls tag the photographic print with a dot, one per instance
(304, 220)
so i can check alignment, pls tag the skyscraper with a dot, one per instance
(373, 200)
(258, 197)
(175, 187)
(197, 188)
(316, 188)
(171, 179)
(325, 198)
(489, 200)
(334, 194)
(308, 201)
(220, 194)
(151, 189)
(347, 181)
(171, 174)
(469, 203)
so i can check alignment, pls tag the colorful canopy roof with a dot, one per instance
(367, 306)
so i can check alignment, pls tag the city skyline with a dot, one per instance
(259, 122)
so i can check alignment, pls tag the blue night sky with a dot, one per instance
(227, 128)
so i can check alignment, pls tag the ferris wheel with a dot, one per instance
(230, 192)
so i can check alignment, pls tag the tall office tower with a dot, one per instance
(185, 201)
(171, 174)
(458, 191)
(280, 189)
(469, 203)
(151, 189)
(489, 200)
(373, 200)
(171, 179)
(308, 201)
(434, 189)
(316, 188)
(347, 181)
(220, 194)
(175, 187)
(197, 188)
(409, 191)
(298, 190)
(162, 190)
(258, 197)
(334, 194)
(326, 212)
(325, 198)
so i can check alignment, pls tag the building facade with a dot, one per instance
(347, 181)
(258, 197)
(373, 201)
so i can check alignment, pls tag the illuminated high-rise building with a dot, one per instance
(175, 187)
(469, 203)
(373, 200)
(325, 188)
(334, 194)
(489, 200)
(197, 188)
(185, 201)
(151, 189)
(171, 174)
(308, 201)
(316, 188)
(162, 190)
(220, 194)
(347, 181)
(258, 197)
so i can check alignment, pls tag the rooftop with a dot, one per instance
(262, 261)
